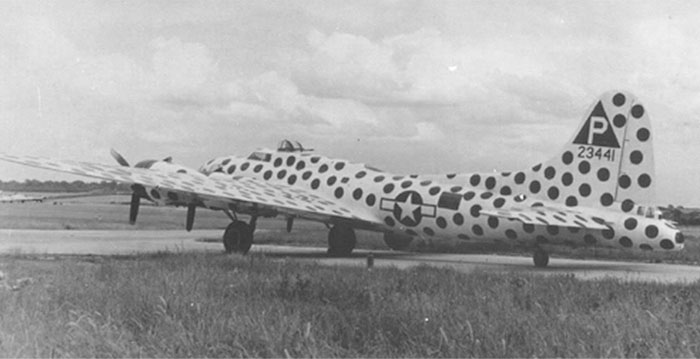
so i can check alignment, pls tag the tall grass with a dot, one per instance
(178, 305)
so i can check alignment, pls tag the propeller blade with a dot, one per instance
(290, 223)
(118, 157)
(190, 216)
(134, 207)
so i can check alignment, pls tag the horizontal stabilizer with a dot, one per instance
(543, 216)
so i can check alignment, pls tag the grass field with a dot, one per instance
(111, 212)
(183, 305)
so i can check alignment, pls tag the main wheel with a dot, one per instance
(341, 241)
(397, 242)
(540, 257)
(238, 237)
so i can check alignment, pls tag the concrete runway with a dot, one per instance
(52, 242)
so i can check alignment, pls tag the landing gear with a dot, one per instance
(397, 242)
(540, 257)
(341, 241)
(238, 237)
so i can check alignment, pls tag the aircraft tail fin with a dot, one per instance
(609, 159)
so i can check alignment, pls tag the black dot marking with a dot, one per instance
(357, 194)
(155, 194)
(301, 165)
(477, 230)
(406, 184)
(278, 162)
(603, 174)
(584, 167)
(397, 178)
(231, 169)
(323, 168)
(315, 159)
(627, 205)
(651, 231)
(360, 174)
(493, 222)
(630, 223)
(434, 190)
(571, 201)
(537, 167)
(625, 242)
(505, 190)
(458, 219)
(306, 175)
(534, 186)
(339, 192)
(389, 221)
(331, 180)
(451, 175)
(567, 158)
(463, 236)
(637, 111)
(469, 195)
(475, 210)
(606, 199)
(389, 187)
(370, 200)
(619, 99)
(549, 172)
(429, 231)
(528, 227)
(315, 183)
(619, 121)
(378, 179)
(553, 193)
(636, 157)
(567, 179)
(608, 233)
(281, 174)
(257, 168)
(511, 234)
(589, 239)
(474, 180)
(245, 166)
(339, 166)
(267, 175)
(644, 180)
(499, 202)
(441, 222)
(624, 181)
(486, 195)
(292, 179)
(426, 183)
(666, 244)
(455, 189)
(584, 189)
(290, 160)
(519, 178)
(490, 183)
(226, 161)
(643, 134)
(553, 230)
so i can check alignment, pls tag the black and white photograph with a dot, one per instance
(363, 178)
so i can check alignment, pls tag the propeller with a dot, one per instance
(290, 223)
(138, 190)
(190, 216)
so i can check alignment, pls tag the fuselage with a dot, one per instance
(430, 207)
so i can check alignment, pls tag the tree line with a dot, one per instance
(64, 186)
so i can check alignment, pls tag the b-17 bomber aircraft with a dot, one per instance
(597, 190)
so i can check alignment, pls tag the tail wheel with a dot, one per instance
(341, 241)
(238, 237)
(540, 257)
(397, 242)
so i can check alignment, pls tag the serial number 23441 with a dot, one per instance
(593, 152)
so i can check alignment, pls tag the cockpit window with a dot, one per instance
(260, 156)
(373, 169)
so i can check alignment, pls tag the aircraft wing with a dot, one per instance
(545, 216)
(236, 191)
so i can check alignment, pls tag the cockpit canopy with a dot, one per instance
(291, 146)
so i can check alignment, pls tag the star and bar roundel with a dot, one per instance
(408, 208)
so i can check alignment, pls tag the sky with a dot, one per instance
(406, 86)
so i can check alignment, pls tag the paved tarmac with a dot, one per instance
(53, 242)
